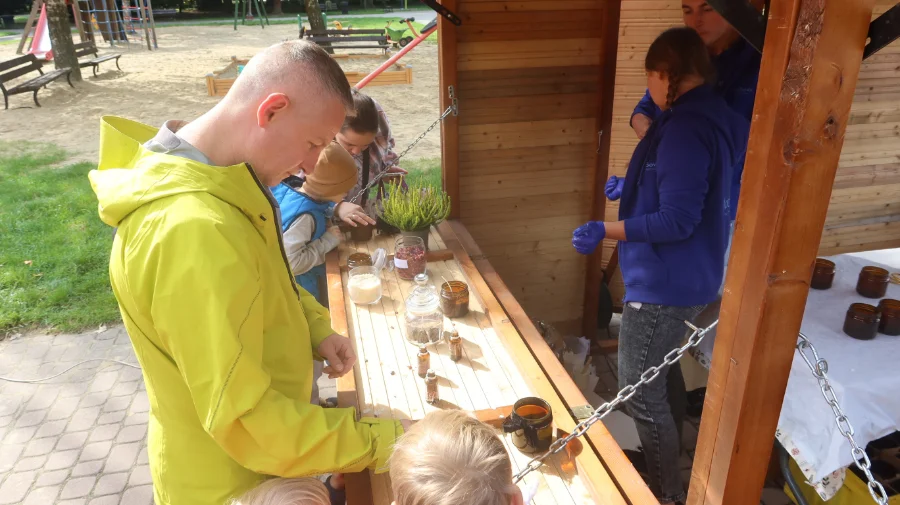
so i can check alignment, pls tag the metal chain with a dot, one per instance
(819, 368)
(624, 395)
(418, 139)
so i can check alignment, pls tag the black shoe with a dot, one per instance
(695, 401)
(638, 461)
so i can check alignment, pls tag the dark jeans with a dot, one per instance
(658, 409)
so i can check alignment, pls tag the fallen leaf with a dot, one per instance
(101, 329)
(28, 262)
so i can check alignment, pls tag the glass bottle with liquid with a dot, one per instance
(424, 319)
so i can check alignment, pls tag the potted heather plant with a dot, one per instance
(414, 210)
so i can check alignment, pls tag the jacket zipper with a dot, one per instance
(273, 204)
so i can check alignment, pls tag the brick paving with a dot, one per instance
(79, 439)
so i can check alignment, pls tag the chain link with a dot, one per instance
(819, 368)
(623, 396)
(409, 148)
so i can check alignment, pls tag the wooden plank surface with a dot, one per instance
(491, 375)
(813, 51)
(448, 77)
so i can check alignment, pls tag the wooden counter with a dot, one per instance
(499, 366)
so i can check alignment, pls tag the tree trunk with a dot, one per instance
(316, 22)
(61, 37)
(368, 4)
(276, 8)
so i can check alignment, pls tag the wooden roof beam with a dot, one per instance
(809, 71)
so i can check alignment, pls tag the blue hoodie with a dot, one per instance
(674, 201)
(737, 71)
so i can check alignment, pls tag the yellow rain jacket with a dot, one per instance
(225, 337)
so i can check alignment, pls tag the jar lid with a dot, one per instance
(423, 298)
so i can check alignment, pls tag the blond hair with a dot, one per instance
(305, 491)
(449, 458)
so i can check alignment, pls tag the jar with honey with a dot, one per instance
(862, 321)
(823, 274)
(359, 260)
(890, 317)
(455, 299)
(873, 282)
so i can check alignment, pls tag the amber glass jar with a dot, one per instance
(862, 321)
(359, 260)
(823, 274)
(890, 317)
(873, 282)
(455, 299)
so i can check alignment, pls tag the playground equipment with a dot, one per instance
(115, 21)
(398, 36)
(248, 6)
(409, 46)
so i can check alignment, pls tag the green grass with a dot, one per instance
(4, 33)
(425, 171)
(54, 252)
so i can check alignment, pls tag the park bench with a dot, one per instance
(158, 13)
(347, 39)
(23, 65)
(88, 49)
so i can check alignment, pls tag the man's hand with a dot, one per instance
(339, 354)
(640, 123)
(352, 214)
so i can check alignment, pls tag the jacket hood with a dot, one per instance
(129, 176)
(733, 128)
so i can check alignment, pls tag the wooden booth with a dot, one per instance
(544, 92)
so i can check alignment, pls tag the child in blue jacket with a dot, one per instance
(672, 232)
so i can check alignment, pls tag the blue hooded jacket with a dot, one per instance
(737, 73)
(293, 204)
(675, 201)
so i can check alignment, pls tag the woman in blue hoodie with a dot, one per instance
(672, 232)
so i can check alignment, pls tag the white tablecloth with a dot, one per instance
(865, 376)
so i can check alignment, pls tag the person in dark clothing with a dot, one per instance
(737, 70)
(672, 233)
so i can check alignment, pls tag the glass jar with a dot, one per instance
(409, 257)
(424, 319)
(873, 282)
(823, 274)
(890, 317)
(862, 321)
(364, 286)
(359, 260)
(455, 299)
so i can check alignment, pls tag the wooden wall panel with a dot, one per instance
(864, 213)
(527, 142)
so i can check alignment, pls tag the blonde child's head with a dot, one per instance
(449, 458)
(305, 491)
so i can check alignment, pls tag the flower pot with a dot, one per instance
(362, 233)
(422, 234)
(385, 228)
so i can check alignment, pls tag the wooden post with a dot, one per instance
(152, 22)
(813, 51)
(61, 37)
(79, 23)
(447, 60)
(609, 45)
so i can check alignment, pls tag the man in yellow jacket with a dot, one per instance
(225, 337)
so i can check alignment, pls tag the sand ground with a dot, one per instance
(169, 83)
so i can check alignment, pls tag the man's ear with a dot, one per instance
(270, 106)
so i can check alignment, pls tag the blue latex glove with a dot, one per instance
(588, 236)
(613, 188)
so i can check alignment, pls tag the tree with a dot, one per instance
(316, 22)
(61, 37)
(276, 8)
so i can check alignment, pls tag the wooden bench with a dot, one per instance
(347, 39)
(23, 65)
(88, 49)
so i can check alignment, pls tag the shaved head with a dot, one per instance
(292, 67)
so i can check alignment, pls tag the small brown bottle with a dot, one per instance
(424, 361)
(431, 386)
(455, 346)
